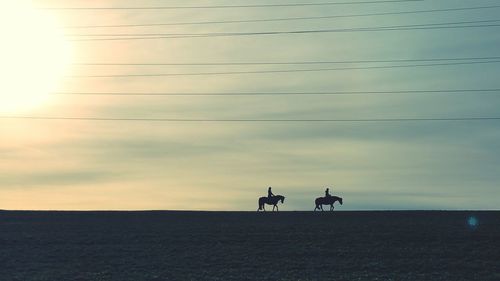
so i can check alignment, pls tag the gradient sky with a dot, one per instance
(69, 164)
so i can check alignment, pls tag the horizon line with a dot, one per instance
(246, 211)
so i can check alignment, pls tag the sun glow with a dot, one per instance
(34, 56)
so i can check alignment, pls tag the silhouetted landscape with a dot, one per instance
(249, 246)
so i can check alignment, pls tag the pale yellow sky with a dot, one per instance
(76, 164)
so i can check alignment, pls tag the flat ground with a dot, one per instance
(121, 246)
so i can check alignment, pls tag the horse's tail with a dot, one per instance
(260, 205)
(318, 203)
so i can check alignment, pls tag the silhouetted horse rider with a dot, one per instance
(327, 193)
(327, 200)
(271, 199)
(269, 193)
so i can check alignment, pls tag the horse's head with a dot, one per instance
(340, 201)
(282, 199)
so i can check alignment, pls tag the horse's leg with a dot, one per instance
(277, 209)
(331, 207)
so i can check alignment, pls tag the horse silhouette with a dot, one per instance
(274, 200)
(320, 201)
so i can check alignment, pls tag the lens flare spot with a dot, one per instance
(472, 222)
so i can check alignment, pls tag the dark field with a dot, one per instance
(138, 246)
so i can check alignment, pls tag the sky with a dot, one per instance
(137, 165)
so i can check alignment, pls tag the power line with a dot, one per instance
(272, 32)
(291, 62)
(253, 120)
(449, 91)
(365, 29)
(287, 19)
(278, 71)
(231, 6)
